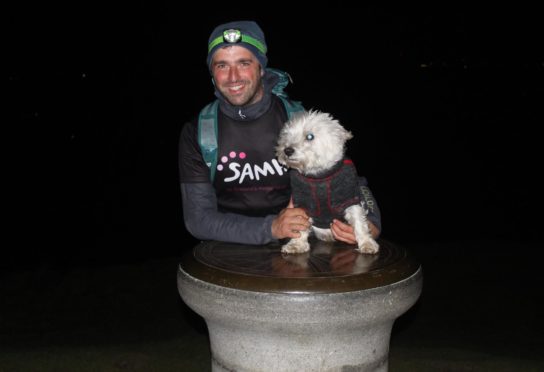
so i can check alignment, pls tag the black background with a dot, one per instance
(444, 101)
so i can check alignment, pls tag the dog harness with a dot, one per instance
(327, 196)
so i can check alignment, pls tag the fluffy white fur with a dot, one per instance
(311, 143)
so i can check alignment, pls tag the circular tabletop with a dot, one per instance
(329, 267)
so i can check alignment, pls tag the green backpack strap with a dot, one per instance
(207, 136)
(291, 107)
(283, 80)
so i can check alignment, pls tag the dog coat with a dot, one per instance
(327, 197)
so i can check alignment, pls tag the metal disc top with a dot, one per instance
(327, 268)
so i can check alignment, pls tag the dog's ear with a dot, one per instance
(348, 135)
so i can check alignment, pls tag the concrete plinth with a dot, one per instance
(329, 310)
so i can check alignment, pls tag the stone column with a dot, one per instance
(331, 309)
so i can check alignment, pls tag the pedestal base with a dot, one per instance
(318, 321)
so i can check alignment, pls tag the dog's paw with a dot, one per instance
(368, 246)
(295, 247)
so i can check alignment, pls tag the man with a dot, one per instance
(242, 194)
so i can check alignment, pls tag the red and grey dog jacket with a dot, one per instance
(327, 196)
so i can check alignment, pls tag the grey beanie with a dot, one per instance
(246, 34)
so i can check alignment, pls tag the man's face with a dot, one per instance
(237, 75)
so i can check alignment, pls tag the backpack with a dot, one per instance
(207, 121)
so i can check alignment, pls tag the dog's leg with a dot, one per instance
(298, 245)
(323, 234)
(356, 217)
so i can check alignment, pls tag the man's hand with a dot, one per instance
(344, 232)
(289, 222)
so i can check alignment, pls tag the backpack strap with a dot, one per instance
(283, 80)
(291, 107)
(207, 136)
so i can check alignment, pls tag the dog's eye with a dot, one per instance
(309, 136)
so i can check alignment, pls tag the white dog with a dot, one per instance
(323, 181)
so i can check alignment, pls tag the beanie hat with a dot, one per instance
(246, 34)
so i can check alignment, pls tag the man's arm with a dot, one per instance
(205, 222)
(371, 206)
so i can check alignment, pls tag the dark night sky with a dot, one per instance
(444, 104)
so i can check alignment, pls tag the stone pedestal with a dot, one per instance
(331, 309)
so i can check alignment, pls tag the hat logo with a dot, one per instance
(232, 35)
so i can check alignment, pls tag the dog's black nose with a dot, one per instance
(289, 151)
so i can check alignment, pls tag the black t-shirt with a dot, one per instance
(248, 179)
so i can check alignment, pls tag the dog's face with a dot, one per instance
(312, 142)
